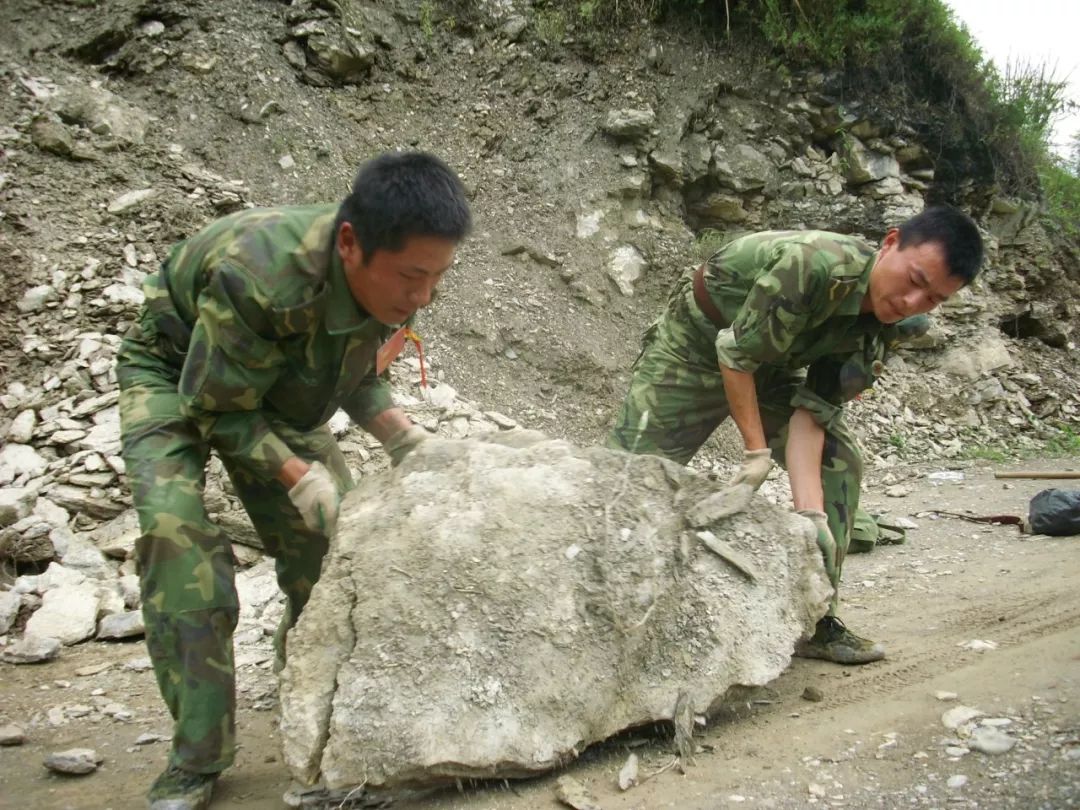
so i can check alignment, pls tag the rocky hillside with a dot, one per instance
(596, 178)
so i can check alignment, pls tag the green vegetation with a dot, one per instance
(897, 440)
(709, 241)
(427, 18)
(550, 24)
(1061, 192)
(1064, 442)
(909, 59)
(988, 453)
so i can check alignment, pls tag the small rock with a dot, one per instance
(503, 421)
(121, 625)
(898, 491)
(945, 696)
(958, 716)
(955, 750)
(990, 740)
(957, 781)
(572, 793)
(628, 774)
(75, 761)
(945, 475)
(813, 694)
(31, 650)
(92, 669)
(12, 735)
(130, 200)
(978, 645)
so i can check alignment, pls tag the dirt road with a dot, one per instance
(874, 739)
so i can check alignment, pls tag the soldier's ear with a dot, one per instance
(892, 238)
(352, 255)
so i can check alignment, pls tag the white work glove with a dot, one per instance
(317, 499)
(401, 443)
(755, 468)
(825, 541)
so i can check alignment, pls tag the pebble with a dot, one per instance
(957, 781)
(946, 696)
(31, 650)
(978, 645)
(958, 716)
(76, 761)
(990, 740)
(12, 735)
(813, 694)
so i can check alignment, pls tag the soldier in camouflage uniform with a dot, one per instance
(255, 330)
(777, 330)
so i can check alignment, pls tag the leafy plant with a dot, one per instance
(986, 452)
(550, 24)
(427, 18)
(1065, 442)
(1061, 195)
(709, 241)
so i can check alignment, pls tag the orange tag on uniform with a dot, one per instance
(389, 351)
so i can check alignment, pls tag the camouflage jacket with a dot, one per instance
(264, 329)
(792, 300)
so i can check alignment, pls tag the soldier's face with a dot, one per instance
(908, 281)
(392, 285)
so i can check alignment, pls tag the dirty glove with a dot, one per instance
(825, 541)
(316, 498)
(401, 443)
(755, 468)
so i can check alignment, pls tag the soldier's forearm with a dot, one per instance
(805, 444)
(742, 400)
(388, 423)
(292, 471)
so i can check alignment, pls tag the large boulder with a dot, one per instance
(492, 606)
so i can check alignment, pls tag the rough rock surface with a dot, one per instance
(493, 606)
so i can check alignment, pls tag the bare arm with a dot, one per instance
(805, 445)
(388, 423)
(742, 400)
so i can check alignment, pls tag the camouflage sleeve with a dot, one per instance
(371, 398)
(232, 360)
(779, 306)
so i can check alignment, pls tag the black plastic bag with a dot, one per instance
(1055, 511)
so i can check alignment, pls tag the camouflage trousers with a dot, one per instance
(678, 389)
(185, 561)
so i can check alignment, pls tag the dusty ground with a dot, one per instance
(875, 739)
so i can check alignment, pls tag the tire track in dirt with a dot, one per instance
(1008, 619)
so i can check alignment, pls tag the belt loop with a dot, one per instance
(704, 300)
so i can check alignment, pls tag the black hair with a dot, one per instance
(397, 195)
(955, 231)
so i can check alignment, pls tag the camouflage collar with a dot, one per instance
(851, 302)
